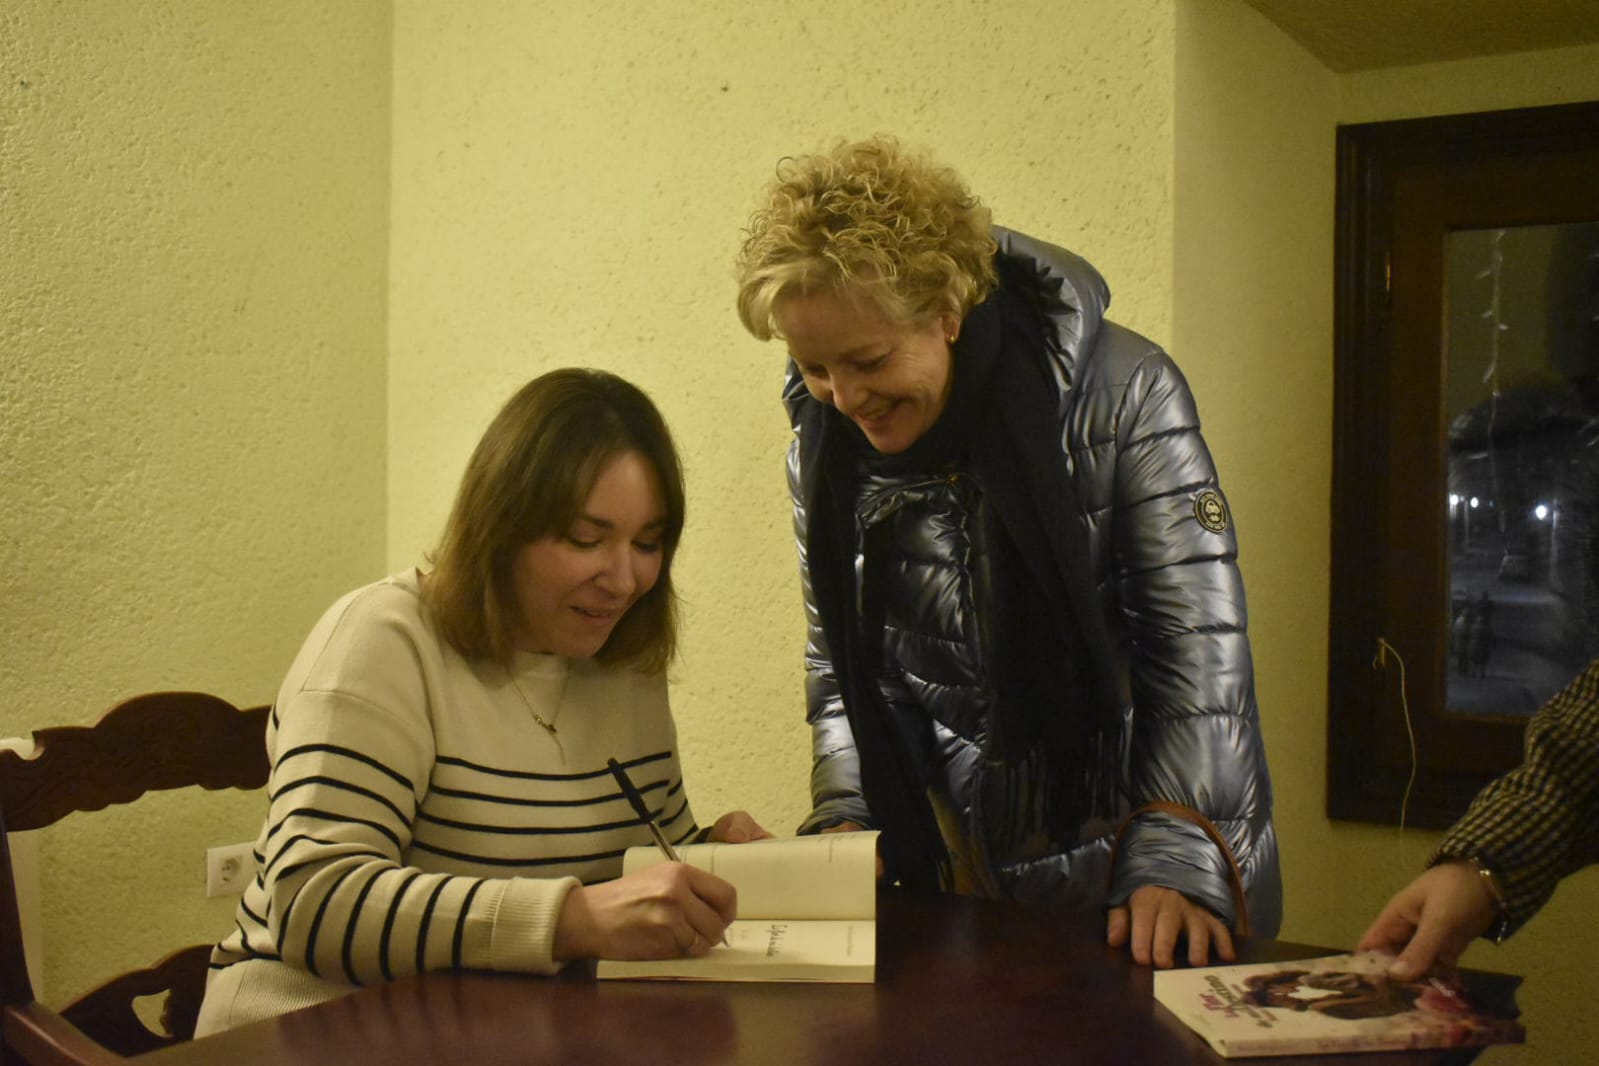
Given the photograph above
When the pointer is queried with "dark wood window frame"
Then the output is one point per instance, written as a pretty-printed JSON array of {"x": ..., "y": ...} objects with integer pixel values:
[{"x": 1402, "y": 187}]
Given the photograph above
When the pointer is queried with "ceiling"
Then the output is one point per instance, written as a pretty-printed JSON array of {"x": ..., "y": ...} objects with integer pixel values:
[{"x": 1351, "y": 35}]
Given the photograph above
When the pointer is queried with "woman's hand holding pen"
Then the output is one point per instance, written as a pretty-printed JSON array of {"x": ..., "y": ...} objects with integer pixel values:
[{"x": 663, "y": 912}]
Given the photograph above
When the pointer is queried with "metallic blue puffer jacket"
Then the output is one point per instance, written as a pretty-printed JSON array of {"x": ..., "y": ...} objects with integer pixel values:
[{"x": 1163, "y": 558}]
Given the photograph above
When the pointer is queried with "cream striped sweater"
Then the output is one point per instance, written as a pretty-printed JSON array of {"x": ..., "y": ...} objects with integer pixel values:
[{"x": 420, "y": 819}]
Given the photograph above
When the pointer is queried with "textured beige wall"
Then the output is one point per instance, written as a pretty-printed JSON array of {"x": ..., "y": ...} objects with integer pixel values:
[
  {"x": 192, "y": 303},
  {"x": 1253, "y": 328},
  {"x": 569, "y": 185}
]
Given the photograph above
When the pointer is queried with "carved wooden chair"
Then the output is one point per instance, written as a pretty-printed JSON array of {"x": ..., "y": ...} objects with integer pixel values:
[{"x": 149, "y": 743}]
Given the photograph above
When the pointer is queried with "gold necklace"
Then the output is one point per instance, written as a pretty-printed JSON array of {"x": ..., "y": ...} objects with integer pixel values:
[{"x": 549, "y": 727}]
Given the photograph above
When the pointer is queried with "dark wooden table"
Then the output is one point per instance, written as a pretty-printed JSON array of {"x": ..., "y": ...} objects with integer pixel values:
[{"x": 958, "y": 981}]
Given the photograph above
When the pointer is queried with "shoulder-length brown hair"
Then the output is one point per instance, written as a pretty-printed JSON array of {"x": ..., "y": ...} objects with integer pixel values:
[{"x": 528, "y": 478}]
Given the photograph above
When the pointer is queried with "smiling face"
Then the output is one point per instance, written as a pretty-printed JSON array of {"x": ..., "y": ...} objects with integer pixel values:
[
  {"x": 573, "y": 587},
  {"x": 890, "y": 380}
]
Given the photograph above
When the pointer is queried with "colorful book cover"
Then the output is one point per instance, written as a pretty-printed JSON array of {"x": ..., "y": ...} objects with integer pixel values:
[{"x": 1332, "y": 1004}]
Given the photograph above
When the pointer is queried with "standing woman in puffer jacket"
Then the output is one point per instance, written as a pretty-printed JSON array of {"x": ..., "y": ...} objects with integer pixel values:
[{"x": 1027, "y": 662}]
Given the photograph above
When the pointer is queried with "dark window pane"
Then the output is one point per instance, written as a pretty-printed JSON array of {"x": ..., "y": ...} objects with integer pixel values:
[{"x": 1523, "y": 489}]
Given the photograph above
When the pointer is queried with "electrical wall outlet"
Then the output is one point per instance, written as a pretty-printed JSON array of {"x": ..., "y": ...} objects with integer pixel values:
[{"x": 229, "y": 869}]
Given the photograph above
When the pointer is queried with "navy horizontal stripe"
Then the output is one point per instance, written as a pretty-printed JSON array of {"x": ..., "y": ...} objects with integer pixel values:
[
  {"x": 316, "y": 814},
  {"x": 460, "y": 925},
  {"x": 250, "y": 953},
  {"x": 343, "y": 786},
  {"x": 526, "y": 830},
  {"x": 346, "y": 851},
  {"x": 388, "y": 924},
  {"x": 295, "y": 867},
  {"x": 529, "y": 775},
  {"x": 559, "y": 860},
  {"x": 521, "y": 801},
  {"x": 348, "y": 753}
]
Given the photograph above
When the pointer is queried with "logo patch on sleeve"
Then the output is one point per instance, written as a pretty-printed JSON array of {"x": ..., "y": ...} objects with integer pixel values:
[{"x": 1211, "y": 510}]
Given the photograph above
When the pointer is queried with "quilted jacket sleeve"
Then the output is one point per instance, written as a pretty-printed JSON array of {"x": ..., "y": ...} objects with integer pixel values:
[
  {"x": 835, "y": 766},
  {"x": 1170, "y": 570}
]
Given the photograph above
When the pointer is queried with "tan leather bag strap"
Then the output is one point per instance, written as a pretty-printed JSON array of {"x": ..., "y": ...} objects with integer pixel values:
[{"x": 1188, "y": 814}]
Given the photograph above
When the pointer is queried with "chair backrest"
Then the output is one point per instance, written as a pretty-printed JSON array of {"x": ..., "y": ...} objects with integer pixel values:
[{"x": 150, "y": 743}]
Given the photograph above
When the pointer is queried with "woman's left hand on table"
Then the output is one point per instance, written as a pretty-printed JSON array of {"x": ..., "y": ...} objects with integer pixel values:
[
  {"x": 737, "y": 827},
  {"x": 1152, "y": 920}
]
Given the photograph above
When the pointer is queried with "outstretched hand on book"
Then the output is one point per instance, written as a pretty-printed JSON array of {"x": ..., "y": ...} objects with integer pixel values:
[
  {"x": 1432, "y": 920},
  {"x": 1154, "y": 917}
]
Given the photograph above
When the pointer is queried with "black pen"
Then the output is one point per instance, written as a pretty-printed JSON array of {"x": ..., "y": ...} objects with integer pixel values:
[
  {"x": 644, "y": 814},
  {"x": 643, "y": 811}
]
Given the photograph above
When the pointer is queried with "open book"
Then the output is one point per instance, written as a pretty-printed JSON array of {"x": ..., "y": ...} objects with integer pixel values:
[
  {"x": 807, "y": 911},
  {"x": 1332, "y": 1004}
]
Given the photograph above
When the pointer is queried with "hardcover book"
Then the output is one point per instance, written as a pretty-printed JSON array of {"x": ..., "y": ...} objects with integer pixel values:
[
  {"x": 807, "y": 911},
  {"x": 1333, "y": 1004}
]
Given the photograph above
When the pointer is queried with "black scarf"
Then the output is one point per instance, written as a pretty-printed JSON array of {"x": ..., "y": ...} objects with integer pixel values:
[{"x": 1051, "y": 659}]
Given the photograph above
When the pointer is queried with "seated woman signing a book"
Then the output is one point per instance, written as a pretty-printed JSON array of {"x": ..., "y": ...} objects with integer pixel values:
[{"x": 440, "y": 796}]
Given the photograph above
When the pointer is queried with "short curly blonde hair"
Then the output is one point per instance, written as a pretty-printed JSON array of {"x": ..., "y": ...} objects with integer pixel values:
[{"x": 874, "y": 217}]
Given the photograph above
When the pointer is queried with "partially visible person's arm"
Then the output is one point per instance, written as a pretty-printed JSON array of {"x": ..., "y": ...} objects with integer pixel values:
[
  {"x": 1434, "y": 918},
  {"x": 1196, "y": 730},
  {"x": 1529, "y": 829},
  {"x": 835, "y": 768}
]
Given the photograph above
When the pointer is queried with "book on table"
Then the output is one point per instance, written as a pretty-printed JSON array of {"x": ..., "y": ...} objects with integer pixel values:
[
  {"x": 807, "y": 911},
  {"x": 1333, "y": 1004}
]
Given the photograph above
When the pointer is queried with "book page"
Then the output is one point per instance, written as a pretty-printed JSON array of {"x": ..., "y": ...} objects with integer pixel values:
[
  {"x": 767, "y": 950},
  {"x": 820, "y": 877}
]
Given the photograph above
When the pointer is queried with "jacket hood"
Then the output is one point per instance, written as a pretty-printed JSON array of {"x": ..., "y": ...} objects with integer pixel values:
[{"x": 1076, "y": 295}]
